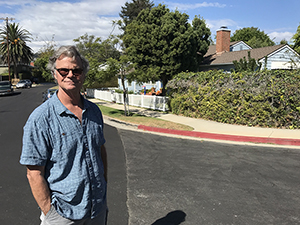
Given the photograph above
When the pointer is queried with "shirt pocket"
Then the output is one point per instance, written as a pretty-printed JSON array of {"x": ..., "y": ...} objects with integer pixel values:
[{"x": 65, "y": 145}]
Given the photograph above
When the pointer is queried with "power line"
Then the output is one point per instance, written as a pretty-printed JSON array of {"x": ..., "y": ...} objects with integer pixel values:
[{"x": 8, "y": 63}]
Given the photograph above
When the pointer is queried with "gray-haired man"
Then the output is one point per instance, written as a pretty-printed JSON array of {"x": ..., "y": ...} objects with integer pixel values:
[{"x": 63, "y": 149}]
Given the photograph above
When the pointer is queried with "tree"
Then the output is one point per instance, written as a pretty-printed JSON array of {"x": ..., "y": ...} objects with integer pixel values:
[
  {"x": 19, "y": 51},
  {"x": 252, "y": 36},
  {"x": 128, "y": 13},
  {"x": 296, "y": 40},
  {"x": 283, "y": 42},
  {"x": 244, "y": 65},
  {"x": 93, "y": 47},
  {"x": 131, "y": 10},
  {"x": 40, "y": 64},
  {"x": 161, "y": 44},
  {"x": 97, "y": 52},
  {"x": 122, "y": 67}
]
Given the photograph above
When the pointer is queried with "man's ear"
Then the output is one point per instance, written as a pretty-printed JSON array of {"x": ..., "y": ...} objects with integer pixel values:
[{"x": 54, "y": 74}]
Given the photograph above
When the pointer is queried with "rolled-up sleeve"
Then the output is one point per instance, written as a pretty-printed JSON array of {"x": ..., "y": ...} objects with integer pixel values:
[{"x": 35, "y": 144}]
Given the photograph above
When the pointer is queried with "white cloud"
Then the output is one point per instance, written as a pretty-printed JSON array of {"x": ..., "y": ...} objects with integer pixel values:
[
  {"x": 278, "y": 36},
  {"x": 214, "y": 25},
  {"x": 64, "y": 20},
  {"x": 182, "y": 6},
  {"x": 67, "y": 20},
  {"x": 9, "y": 3}
]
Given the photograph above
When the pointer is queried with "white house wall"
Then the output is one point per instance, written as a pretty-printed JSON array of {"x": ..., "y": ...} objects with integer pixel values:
[
  {"x": 281, "y": 59},
  {"x": 239, "y": 47},
  {"x": 136, "y": 87}
]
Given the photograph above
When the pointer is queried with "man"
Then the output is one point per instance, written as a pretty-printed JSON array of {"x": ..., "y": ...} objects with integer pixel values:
[{"x": 63, "y": 149}]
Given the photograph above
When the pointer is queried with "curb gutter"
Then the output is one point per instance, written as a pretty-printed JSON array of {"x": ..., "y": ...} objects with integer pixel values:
[{"x": 226, "y": 137}]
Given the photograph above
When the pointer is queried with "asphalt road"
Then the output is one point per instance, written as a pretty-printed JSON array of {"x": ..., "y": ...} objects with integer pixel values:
[
  {"x": 160, "y": 180},
  {"x": 17, "y": 204},
  {"x": 209, "y": 182}
]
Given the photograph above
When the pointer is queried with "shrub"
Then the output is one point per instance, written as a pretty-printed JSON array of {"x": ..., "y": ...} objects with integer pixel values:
[{"x": 264, "y": 98}]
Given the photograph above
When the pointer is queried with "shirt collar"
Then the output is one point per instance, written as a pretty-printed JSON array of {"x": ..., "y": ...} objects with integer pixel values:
[{"x": 60, "y": 108}]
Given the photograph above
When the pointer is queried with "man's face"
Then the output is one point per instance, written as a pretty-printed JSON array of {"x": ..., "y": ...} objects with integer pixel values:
[{"x": 68, "y": 73}]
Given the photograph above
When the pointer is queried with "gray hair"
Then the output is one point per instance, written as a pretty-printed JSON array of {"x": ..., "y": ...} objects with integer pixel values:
[{"x": 67, "y": 51}]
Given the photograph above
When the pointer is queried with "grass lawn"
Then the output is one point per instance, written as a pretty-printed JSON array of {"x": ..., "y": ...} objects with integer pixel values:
[{"x": 142, "y": 120}]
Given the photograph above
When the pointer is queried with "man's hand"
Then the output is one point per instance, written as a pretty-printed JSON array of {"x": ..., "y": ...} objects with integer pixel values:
[{"x": 104, "y": 160}]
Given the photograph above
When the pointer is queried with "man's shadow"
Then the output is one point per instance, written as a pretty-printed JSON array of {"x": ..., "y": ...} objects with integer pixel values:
[{"x": 172, "y": 218}]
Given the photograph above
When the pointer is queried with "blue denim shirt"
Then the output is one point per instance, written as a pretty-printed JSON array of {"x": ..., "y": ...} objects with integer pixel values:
[{"x": 70, "y": 151}]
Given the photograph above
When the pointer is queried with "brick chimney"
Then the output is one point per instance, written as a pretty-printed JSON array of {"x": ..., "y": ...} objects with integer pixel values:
[{"x": 223, "y": 40}]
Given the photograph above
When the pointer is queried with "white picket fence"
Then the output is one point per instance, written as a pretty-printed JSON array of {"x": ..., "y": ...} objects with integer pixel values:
[{"x": 145, "y": 101}]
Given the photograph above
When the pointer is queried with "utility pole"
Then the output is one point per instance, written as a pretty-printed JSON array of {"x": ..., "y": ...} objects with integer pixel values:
[{"x": 8, "y": 63}]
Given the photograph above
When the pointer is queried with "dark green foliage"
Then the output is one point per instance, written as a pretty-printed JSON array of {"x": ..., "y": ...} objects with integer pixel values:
[
  {"x": 19, "y": 51},
  {"x": 162, "y": 44},
  {"x": 253, "y": 37},
  {"x": 283, "y": 42},
  {"x": 97, "y": 52},
  {"x": 40, "y": 64},
  {"x": 246, "y": 65},
  {"x": 40, "y": 68},
  {"x": 132, "y": 9},
  {"x": 296, "y": 40},
  {"x": 264, "y": 98},
  {"x": 92, "y": 47}
]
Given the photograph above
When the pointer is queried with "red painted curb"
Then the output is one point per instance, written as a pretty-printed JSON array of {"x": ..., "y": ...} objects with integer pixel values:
[{"x": 227, "y": 137}]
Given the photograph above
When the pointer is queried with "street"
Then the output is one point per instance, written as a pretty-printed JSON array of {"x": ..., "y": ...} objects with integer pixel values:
[
  {"x": 211, "y": 183},
  {"x": 17, "y": 203},
  {"x": 159, "y": 180}
]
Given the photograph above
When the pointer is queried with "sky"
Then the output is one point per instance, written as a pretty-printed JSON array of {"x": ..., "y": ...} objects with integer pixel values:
[{"x": 63, "y": 21}]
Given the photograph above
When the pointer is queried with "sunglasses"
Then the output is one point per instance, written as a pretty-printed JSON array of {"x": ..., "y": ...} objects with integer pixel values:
[{"x": 64, "y": 72}]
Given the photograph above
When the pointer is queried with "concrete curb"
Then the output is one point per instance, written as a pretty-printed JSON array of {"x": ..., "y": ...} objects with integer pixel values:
[
  {"x": 224, "y": 137},
  {"x": 119, "y": 122}
]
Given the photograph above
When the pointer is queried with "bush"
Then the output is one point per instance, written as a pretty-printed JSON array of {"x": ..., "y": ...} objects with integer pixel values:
[
  {"x": 121, "y": 91},
  {"x": 264, "y": 98}
]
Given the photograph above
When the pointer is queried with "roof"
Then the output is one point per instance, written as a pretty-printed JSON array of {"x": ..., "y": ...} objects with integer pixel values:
[
  {"x": 211, "y": 58},
  {"x": 212, "y": 48},
  {"x": 233, "y": 43}
]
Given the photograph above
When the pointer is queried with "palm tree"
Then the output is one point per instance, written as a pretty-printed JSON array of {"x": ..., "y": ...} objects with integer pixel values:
[{"x": 19, "y": 51}]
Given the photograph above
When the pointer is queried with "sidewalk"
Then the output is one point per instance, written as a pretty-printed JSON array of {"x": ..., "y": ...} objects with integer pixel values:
[{"x": 215, "y": 130}]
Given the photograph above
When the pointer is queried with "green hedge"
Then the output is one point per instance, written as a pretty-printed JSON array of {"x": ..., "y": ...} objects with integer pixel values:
[{"x": 266, "y": 98}]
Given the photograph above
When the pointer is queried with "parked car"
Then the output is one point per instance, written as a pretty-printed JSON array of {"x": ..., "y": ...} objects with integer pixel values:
[
  {"x": 29, "y": 82},
  {"x": 6, "y": 88},
  {"x": 48, "y": 94},
  {"x": 35, "y": 80},
  {"x": 24, "y": 84}
]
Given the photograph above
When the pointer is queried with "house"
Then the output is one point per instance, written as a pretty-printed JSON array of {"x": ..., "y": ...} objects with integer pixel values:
[
  {"x": 23, "y": 69},
  {"x": 222, "y": 55},
  {"x": 139, "y": 87}
]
